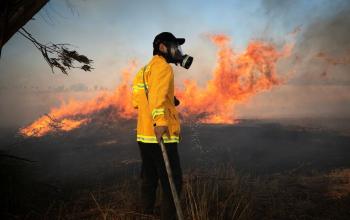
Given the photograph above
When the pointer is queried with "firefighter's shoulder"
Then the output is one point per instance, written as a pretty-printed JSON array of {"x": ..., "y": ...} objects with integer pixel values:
[{"x": 159, "y": 65}]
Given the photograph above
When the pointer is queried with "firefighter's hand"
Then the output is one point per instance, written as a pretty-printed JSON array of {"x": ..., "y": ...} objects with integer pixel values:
[
  {"x": 176, "y": 101},
  {"x": 160, "y": 131}
]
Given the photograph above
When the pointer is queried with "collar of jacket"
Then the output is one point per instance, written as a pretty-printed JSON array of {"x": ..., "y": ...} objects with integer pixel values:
[{"x": 160, "y": 57}]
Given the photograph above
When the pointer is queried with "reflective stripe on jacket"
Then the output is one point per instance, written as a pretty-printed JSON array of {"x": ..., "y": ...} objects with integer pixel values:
[{"x": 159, "y": 109}]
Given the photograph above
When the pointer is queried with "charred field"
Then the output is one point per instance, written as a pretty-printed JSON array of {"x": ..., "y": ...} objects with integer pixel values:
[{"x": 255, "y": 169}]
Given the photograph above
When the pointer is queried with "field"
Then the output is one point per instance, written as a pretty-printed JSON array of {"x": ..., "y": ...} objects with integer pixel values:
[{"x": 255, "y": 169}]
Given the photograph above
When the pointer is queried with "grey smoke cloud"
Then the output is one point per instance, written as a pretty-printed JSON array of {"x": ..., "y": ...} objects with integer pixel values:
[
  {"x": 325, "y": 29},
  {"x": 330, "y": 34}
]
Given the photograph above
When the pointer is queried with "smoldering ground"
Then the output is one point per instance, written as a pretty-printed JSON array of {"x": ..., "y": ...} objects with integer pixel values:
[{"x": 62, "y": 165}]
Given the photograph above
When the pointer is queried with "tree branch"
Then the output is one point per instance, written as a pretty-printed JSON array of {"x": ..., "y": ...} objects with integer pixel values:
[{"x": 59, "y": 55}]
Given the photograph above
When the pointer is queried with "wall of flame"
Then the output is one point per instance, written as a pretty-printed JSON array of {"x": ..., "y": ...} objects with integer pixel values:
[{"x": 236, "y": 78}]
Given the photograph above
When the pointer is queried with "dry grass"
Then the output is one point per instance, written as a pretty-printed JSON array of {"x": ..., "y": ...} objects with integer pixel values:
[
  {"x": 219, "y": 194},
  {"x": 340, "y": 186},
  {"x": 216, "y": 194}
]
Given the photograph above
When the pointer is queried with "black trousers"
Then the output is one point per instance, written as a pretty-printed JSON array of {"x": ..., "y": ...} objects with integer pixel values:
[{"x": 152, "y": 170}]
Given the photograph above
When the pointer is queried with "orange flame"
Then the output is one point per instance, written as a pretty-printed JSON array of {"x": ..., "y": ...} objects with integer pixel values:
[
  {"x": 76, "y": 113},
  {"x": 236, "y": 78}
]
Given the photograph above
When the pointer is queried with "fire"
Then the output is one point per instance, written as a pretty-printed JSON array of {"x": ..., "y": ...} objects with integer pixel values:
[
  {"x": 76, "y": 113},
  {"x": 45, "y": 125},
  {"x": 236, "y": 78}
]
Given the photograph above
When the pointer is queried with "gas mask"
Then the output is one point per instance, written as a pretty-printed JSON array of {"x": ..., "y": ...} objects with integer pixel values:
[{"x": 176, "y": 56}]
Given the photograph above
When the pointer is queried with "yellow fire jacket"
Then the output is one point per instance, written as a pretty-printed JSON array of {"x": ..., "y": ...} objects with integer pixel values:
[{"x": 158, "y": 109}]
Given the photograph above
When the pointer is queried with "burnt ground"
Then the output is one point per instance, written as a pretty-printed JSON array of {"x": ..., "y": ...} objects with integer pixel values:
[{"x": 100, "y": 155}]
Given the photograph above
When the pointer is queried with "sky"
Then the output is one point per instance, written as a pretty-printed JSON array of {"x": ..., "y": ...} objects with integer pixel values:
[{"x": 112, "y": 33}]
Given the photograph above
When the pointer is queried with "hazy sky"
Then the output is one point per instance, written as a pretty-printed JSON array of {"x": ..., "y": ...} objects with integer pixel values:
[{"x": 114, "y": 32}]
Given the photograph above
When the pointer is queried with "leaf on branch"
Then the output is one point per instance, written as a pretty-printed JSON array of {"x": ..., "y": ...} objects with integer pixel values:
[
  {"x": 58, "y": 55},
  {"x": 76, "y": 56},
  {"x": 86, "y": 68}
]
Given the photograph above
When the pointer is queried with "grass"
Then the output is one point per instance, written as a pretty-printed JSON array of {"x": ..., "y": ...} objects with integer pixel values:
[{"x": 217, "y": 193}]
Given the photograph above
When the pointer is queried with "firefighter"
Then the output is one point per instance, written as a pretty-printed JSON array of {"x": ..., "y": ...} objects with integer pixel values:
[{"x": 153, "y": 97}]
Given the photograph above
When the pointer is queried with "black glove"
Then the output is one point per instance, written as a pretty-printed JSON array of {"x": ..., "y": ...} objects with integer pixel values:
[{"x": 176, "y": 101}]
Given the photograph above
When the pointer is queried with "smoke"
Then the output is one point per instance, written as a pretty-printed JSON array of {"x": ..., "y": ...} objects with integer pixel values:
[
  {"x": 330, "y": 34},
  {"x": 279, "y": 8},
  {"x": 319, "y": 86},
  {"x": 323, "y": 47},
  {"x": 325, "y": 24}
]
